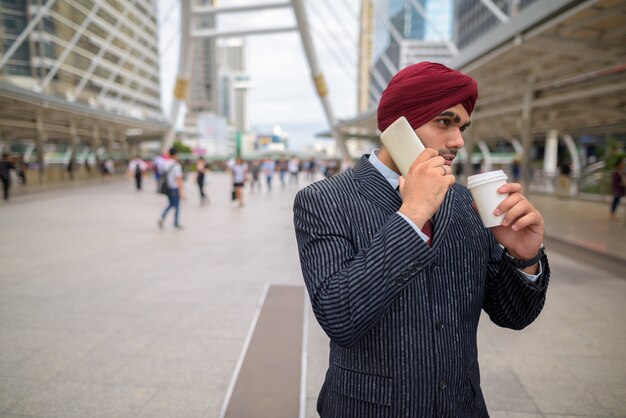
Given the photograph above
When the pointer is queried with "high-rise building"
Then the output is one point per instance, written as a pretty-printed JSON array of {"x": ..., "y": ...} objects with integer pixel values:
[
  {"x": 472, "y": 18},
  {"x": 235, "y": 82},
  {"x": 202, "y": 94},
  {"x": 407, "y": 32},
  {"x": 101, "y": 53},
  {"x": 217, "y": 108}
]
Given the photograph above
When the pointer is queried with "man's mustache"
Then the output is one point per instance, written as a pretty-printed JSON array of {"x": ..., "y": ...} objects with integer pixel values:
[{"x": 447, "y": 152}]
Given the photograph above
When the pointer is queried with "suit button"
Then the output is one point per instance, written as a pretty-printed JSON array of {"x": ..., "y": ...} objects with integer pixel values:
[
  {"x": 439, "y": 325},
  {"x": 400, "y": 281},
  {"x": 434, "y": 266},
  {"x": 442, "y": 384}
]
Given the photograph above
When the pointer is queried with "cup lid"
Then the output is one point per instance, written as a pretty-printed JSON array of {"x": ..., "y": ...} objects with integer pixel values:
[{"x": 482, "y": 178}]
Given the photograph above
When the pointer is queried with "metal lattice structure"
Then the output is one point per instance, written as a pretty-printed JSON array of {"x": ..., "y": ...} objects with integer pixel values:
[{"x": 79, "y": 70}]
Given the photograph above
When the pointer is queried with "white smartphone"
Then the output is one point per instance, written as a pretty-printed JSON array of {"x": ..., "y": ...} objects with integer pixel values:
[{"x": 402, "y": 143}]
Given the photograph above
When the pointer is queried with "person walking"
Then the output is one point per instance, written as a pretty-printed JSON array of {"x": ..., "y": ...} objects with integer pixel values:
[
  {"x": 282, "y": 171},
  {"x": 269, "y": 167},
  {"x": 294, "y": 170},
  {"x": 565, "y": 182},
  {"x": 136, "y": 167},
  {"x": 618, "y": 187},
  {"x": 398, "y": 269},
  {"x": 201, "y": 169},
  {"x": 175, "y": 187},
  {"x": 239, "y": 170},
  {"x": 6, "y": 165},
  {"x": 255, "y": 170}
]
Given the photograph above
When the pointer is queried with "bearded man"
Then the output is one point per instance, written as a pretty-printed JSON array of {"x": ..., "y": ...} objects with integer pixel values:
[{"x": 398, "y": 278}]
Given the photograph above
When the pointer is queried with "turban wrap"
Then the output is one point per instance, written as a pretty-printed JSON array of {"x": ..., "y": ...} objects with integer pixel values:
[{"x": 422, "y": 91}]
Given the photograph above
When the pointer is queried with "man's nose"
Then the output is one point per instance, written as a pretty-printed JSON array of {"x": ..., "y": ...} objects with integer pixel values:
[{"x": 456, "y": 139}]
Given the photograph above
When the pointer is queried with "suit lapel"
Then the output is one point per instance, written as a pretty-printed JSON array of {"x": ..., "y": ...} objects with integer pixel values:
[
  {"x": 443, "y": 218},
  {"x": 374, "y": 186}
]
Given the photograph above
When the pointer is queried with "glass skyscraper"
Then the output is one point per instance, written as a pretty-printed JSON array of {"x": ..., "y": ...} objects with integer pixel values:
[{"x": 407, "y": 32}]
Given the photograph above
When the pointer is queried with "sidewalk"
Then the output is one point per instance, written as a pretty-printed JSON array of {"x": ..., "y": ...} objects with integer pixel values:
[
  {"x": 583, "y": 223},
  {"x": 103, "y": 314}
]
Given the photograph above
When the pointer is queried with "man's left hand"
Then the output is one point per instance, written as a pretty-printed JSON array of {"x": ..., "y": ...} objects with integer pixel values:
[{"x": 522, "y": 229}]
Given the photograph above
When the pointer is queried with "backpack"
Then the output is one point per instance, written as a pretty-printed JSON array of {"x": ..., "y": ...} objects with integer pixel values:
[
  {"x": 138, "y": 169},
  {"x": 163, "y": 187}
]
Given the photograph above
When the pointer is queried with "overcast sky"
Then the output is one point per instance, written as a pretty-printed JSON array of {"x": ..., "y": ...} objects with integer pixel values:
[{"x": 282, "y": 93}]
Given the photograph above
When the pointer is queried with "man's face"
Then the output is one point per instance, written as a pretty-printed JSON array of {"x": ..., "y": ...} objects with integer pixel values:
[{"x": 443, "y": 132}]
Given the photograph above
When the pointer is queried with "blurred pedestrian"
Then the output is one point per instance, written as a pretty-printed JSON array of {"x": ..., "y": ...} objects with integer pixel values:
[
  {"x": 175, "y": 192},
  {"x": 22, "y": 167},
  {"x": 516, "y": 170},
  {"x": 255, "y": 170},
  {"x": 108, "y": 167},
  {"x": 294, "y": 169},
  {"x": 136, "y": 167},
  {"x": 312, "y": 169},
  {"x": 282, "y": 171},
  {"x": 269, "y": 167},
  {"x": 201, "y": 169},
  {"x": 618, "y": 187},
  {"x": 565, "y": 183},
  {"x": 239, "y": 172},
  {"x": 70, "y": 168},
  {"x": 6, "y": 165}
]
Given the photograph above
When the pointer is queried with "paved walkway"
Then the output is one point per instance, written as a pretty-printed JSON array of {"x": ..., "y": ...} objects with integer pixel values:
[{"x": 103, "y": 314}]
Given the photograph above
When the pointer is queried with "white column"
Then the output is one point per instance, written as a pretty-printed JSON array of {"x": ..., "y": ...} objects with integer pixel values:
[
  {"x": 573, "y": 152},
  {"x": 185, "y": 65},
  {"x": 487, "y": 164},
  {"x": 550, "y": 154}
]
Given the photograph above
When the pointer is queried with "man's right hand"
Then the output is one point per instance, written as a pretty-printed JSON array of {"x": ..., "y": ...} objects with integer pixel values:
[{"x": 425, "y": 186}]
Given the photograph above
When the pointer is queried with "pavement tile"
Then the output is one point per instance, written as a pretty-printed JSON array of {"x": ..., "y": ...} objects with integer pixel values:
[
  {"x": 552, "y": 387},
  {"x": 70, "y": 400},
  {"x": 509, "y": 414},
  {"x": 501, "y": 389},
  {"x": 62, "y": 354},
  {"x": 177, "y": 403},
  {"x": 204, "y": 374},
  {"x": 13, "y": 390},
  {"x": 103, "y": 362}
]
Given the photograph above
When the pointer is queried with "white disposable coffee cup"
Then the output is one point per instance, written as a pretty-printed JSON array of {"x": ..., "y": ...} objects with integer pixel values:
[{"x": 484, "y": 188}]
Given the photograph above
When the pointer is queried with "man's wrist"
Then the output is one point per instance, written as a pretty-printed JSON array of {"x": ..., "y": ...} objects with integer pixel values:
[
  {"x": 525, "y": 264},
  {"x": 415, "y": 216}
]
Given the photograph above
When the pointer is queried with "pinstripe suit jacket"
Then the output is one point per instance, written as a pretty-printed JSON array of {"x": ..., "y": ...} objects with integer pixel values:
[{"x": 402, "y": 316}]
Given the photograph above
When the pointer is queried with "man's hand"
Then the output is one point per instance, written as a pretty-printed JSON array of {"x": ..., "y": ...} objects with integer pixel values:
[
  {"x": 522, "y": 229},
  {"x": 425, "y": 186}
]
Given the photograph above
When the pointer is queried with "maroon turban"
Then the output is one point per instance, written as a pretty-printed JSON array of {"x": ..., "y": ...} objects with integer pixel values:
[{"x": 421, "y": 91}]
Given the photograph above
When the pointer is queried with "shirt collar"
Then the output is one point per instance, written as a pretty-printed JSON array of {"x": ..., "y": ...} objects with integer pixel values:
[{"x": 390, "y": 175}]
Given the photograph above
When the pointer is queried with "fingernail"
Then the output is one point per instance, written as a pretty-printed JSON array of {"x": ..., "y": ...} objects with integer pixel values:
[
  {"x": 501, "y": 189},
  {"x": 497, "y": 212},
  {"x": 514, "y": 228}
]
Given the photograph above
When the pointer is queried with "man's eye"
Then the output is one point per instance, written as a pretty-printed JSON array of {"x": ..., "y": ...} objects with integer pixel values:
[{"x": 444, "y": 122}]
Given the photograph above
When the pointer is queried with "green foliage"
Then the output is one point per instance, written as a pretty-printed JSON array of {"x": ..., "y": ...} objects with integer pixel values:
[
  {"x": 611, "y": 162},
  {"x": 182, "y": 148}
]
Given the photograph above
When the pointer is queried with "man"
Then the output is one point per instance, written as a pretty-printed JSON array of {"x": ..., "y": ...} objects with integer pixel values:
[
  {"x": 175, "y": 192},
  {"x": 136, "y": 167},
  {"x": 201, "y": 168},
  {"x": 398, "y": 281},
  {"x": 6, "y": 165},
  {"x": 239, "y": 171},
  {"x": 269, "y": 167}
]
